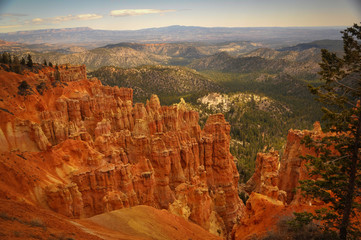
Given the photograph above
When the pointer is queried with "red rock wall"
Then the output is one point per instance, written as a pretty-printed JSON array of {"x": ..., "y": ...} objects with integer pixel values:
[
  {"x": 266, "y": 178},
  {"x": 293, "y": 168},
  {"x": 279, "y": 179},
  {"x": 104, "y": 153},
  {"x": 273, "y": 187}
]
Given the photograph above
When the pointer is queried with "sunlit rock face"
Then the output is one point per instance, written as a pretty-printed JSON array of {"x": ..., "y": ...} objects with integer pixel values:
[
  {"x": 273, "y": 192},
  {"x": 82, "y": 149}
]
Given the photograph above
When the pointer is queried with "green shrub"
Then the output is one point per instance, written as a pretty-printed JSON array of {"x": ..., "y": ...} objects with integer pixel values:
[
  {"x": 41, "y": 87},
  {"x": 299, "y": 227},
  {"x": 37, "y": 223},
  {"x": 24, "y": 89}
]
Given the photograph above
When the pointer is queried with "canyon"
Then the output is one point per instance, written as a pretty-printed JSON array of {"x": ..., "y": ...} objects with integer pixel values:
[
  {"x": 83, "y": 152},
  {"x": 82, "y": 149}
]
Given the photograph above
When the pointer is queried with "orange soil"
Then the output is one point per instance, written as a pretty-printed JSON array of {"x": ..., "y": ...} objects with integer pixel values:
[{"x": 24, "y": 221}]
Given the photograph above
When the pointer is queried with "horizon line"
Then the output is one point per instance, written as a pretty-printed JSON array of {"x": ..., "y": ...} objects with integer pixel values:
[{"x": 40, "y": 29}]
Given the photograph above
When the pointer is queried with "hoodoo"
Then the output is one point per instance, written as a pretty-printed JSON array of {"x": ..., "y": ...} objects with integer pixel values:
[
  {"x": 273, "y": 193},
  {"x": 81, "y": 149}
]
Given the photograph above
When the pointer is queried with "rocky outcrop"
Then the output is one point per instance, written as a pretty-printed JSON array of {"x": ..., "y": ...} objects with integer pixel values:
[
  {"x": 266, "y": 177},
  {"x": 261, "y": 215},
  {"x": 101, "y": 153},
  {"x": 273, "y": 187},
  {"x": 63, "y": 73},
  {"x": 279, "y": 179},
  {"x": 293, "y": 167}
]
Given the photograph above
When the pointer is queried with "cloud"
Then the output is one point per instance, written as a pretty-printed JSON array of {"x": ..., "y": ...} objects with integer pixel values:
[
  {"x": 137, "y": 12},
  {"x": 13, "y": 15},
  {"x": 66, "y": 18},
  {"x": 88, "y": 16},
  {"x": 10, "y": 26},
  {"x": 37, "y": 20}
]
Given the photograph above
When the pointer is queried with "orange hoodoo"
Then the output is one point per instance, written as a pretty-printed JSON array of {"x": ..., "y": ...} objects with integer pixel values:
[{"x": 82, "y": 149}]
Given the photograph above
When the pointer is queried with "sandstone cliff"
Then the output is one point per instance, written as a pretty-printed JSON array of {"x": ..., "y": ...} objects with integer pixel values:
[
  {"x": 273, "y": 187},
  {"x": 82, "y": 149},
  {"x": 279, "y": 178}
]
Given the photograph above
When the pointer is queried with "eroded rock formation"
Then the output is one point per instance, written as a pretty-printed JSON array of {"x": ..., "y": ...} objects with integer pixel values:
[
  {"x": 293, "y": 167},
  {"x": 89, "y": 150},
  {"x": 279, "y": 179},
  {"x": 273, "y": 187},
  {"x": 265, "y": 180}
]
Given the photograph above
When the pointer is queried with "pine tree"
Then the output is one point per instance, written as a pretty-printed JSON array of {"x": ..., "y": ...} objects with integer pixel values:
[
  {"x": 22, "y": 62},
  {"x": 45, "y": 63},
  {"x": 50, "y": 64},
  {"x": 16, "y": 65},
  {"x": 337, "y": 166},
  {"x": 6, "y": 58},
  {"x": 57, "y": 75},
  {"x": 30, "y": 61}
]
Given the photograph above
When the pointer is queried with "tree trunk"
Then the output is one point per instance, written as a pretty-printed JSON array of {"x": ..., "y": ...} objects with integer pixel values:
[{"x": 351, "y": 184}]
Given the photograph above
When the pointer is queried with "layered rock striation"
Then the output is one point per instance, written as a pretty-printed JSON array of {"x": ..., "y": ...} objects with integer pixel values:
[
  {"x": 266, "y": 178},
  {"x": 90, "y": 150},
  {"x": 272, "y": 190},
  {"x": 293, "y": 166},
  {"x": 279, "y": 178}
]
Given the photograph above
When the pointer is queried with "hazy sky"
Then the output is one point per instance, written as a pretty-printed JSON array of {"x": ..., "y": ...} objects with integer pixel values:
[{"x": 16, "y": 15}]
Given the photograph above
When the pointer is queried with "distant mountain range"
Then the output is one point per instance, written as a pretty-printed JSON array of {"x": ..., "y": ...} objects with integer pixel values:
[
  {"x": 240, "y": 57},
  {"x": 128, "y": 54},
  {"x": 271, "y": 35},
  {"x": 298, "y": 60},
  {"x": 295, "y": 63},
  {"x": 331, "y": 45}
]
